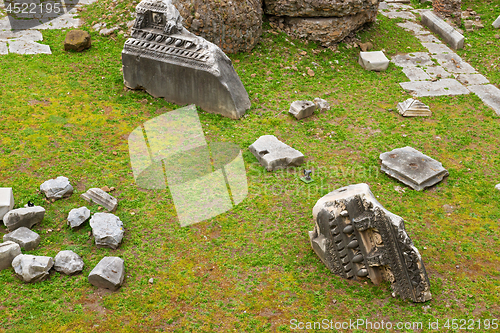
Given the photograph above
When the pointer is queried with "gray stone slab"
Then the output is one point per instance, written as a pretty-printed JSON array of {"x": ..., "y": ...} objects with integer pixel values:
[
  {"x": 6, "y": 200},
  {"x": 357, "y": 238},
  {"x": 437, "y": 71},
  {"x": 32, "y": 268},
  {"x": 23, "y": 217},
  {"x": 98, "y": 196},
  {"x": 435, "y": 48},
  {"x": 3, "y": 48},
  {"x": 443, "y": 29},
  {"x": 78, "y": 216},
  {"x": 383, "y": 5},
  {"x": 412, "y": 168},
  {"x": 68, "y": 262},
  {"x": 472, "y": 79},
  {"x": 27, "y": 239},
  {"x": 444, "y": 87},
  {"x": 412, "y": 59},
  {"x": 373, "y": 61},
  {"x": 454, "y": 64},
  {"x": 496, "y": 23},
  {"x": 416, "y": 74},
  {"x": 8, "y": 251},
  {"x": 170, "y": 62},
  {"x": 302, "y": 109},
  {"x": 489, "y": 94},
  {"x": 414, "y": 27},
  {"x": 107, "y": 230},
  {"x": 109, "y": 273},
  {"x": 27, "y": 47},
  {"x": 273, "y": 154},
  {"x": 428, "y": 39},
  {"x": 27, "y": 35},
  {"x": 57, "y": 188}
]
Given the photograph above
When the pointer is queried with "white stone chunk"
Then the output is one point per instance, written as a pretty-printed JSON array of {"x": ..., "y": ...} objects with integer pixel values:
[
  {"x": 28, "y": 240},
  {"x": 489, "y": 94},
  {"x": 321, "y": 104},
  {"x": 109, "y": 273},
  {"x": 413, "y": 108},
  {"x": 373, "y": 61},
  {"x": 98, "y": 196},
  {"x": 23, "y": 217},
  {"x": 6, "y": 200},
  {"x": 496, "y": 23},
  {"x": 8, "y": 251},
  {"x": 107, "y": 230},
  {"x": 302, "y": 109},
  {"x": 57, "y": 188},
  {"x": 273, "y": 154},
  {"x": 443, "y": 29},
  {"x": 78, "y": 216},
  {"x": 445, "y": 87},
  {"x": 497, "y": 187},
  {"x": 68, "y": 262},
  {"x": 32, "y": 268}
]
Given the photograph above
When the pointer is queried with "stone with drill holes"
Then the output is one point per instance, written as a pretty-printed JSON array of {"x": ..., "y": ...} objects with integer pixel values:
[
  {"x": 109, "y": 273},
  {"x": 27, "y": 239},
  {"x": 78, "y": 216},
  {"x": 8, "y": 251},
  {"x": 57, "y": 188},
  {"x": 32, "y": 268},
  {"x": 6, "y": 201},
  {"x": 412, "y": 168},
  {"x": 373, "y": 61},
  {"x": 357, "y": 238},
  {"x": 107, "y": 230},
  {"x": 273, "y": 154},
  {"x": 302, "y": 109},
  {"x": 23, "y": 217},
  {"x": 68, "y": 262},
  {"x": 98, "y": 196}
]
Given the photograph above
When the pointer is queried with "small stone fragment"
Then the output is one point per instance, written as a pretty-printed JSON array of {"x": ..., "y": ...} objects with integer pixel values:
[
  {"x": 27, "y": 239},
  {"x": 496, "y": 23},
  {"x": 99, "y": 197},
  {"x": 273, "y": 154},
  {"x": 373, "y": 61},
  {"x": 302, "y": 109},
  {"x": 365, "y": 47},
  {"x": 78, "y": 216},
  {"x": 151, "y": 281},
  {"x": 497, "y": 186},
  {"x": 68, "y": 262},
  {"x": 321, "y": 104},
  {"x": 77, "y": 40},
  {"x": 32, "y": 268},
  {"x": 23, "y": 217},
  {"x": 8, "y": 251},
  {"x": 6, "y": 201},
  {"x": 413, "y": 108},
  {"x": 107, "y": 230},
  {"x": 412, "y": 168},
  {"x": 370, "y": 242},
  {"x": 109, "y": 273},
  {"x": 57, "y": 188}
]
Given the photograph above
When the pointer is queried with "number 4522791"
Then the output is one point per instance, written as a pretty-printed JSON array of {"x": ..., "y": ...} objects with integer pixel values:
[{"x": 32, "y": 8}]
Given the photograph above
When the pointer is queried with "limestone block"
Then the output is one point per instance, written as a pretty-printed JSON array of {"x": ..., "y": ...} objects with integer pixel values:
[
  {"x": 443, "y": 29},
  {"x": 373, "y": 61},
  {"x": 68, "y": 262},
  {"x": 107, "y": 230},
  {"x": 23, "y": 217},
  {"x": 8, "y": 251},
  {"x": 57, "y": 188},
  {"x": 302, "y": 109},
  {"x": 32, "y": 268},
  {"x": 6, "y": 201},
  {"x": 273, "y": 154},
  {"x": 109, "y": 273},
  {"x": 27, "y": 239}
]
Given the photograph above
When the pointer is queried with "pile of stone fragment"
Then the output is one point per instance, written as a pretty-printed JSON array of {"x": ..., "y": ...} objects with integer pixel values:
[{"x": 107, "y": 230}]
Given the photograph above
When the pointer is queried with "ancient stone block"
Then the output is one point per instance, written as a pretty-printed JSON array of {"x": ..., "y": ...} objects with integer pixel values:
[
  {"x": 57, "y": 188},
  {"x": 489, "y": 94},
  {"x": 78, "y": 216},
  {"x": 77, "y": 40},
  {"x": 68, "y": 262},
  {"x": 108, "y": 273},
  {"x": 357, "y": 238},
  {"x": 321, "y": 104},
  {"x": 32, "y": 268},
  {"x": 413, "y": 108},
  {"x": 98, "y": 196},
  {"x": 443, "y": 29},
  {"x": 412, "y": 168},
  {"x": 373, "y": 61},
  {"x": 273, "y": 154},
  {"x": 27, "y": 239},
  {"x": 302, "y": 109},
  {"x": 6, "y": 201},
  {"x": 23, "y": 217},
  {"x": 318, "y": 8},
  {"x": 107, "y": 230},
  {"x": 8, "y": 251},
  {"x": 168, "y": 61}
]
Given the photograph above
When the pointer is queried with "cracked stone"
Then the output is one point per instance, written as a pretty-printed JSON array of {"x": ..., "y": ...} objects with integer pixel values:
[{"x": 273, "y": 154}]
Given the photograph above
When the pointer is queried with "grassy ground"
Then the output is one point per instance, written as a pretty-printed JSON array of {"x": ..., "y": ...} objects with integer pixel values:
[{"x": 251, "y": 269}]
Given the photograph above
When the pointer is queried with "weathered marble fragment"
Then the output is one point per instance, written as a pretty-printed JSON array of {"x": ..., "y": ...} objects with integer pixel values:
[
  {"x": 57, "y": 188},
  {"x": 413, "y": 108},
  {"x": 98, "y": 196},
  {"x": 273, "y": 154},
  {"x": 8, "y": 251},
  {"x": 23, "y": 217},
  {"x": 373, "y": 61},
  {"x": 28, "y": 240},
  {"x": 107, "y": 230},
  {"x": 32, "y": 268},
  {"x": 108, "y": 273},
  {"x": 68, "y": 262}
]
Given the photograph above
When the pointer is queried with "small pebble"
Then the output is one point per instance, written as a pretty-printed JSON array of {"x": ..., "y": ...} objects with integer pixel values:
[{"x": 151, "y": 281}]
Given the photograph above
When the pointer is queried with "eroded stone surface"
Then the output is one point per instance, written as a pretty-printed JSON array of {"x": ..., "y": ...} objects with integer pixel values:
[
  {"x": 273, "y": 154},
  {"x": 446, "y": 87},
  {"x": 472, "y": 79},
  {"x": 416, "y": 74},
  {"x": 68, "y": 262},
  {"x": 357, "y": 238},
  {"x": 413, "y": 108},
  {"x": 489, "y": 94},
  {"x": 57, "y": 188},
  {"x": 23, "y": 217},
  {"x": 321, "y": 104},
  {"x": 8, "y": 251},
  {"x": 78, "y": 216},
  {"x": 32, "y": 268},
  {"x": 318, "y": 8},
  {"x": 77, "y": 40},
  {"x": 107, "y": 230},
  {"x": 447, "y": 32},
  {"x": 109, "y": 273},
  {"x": 98, "y": 196},
  {"x": 6, "y": 200},
  {"x": 412, "y": 168},
  {"x": 412, "y": 60},
  {"x": 27, "y": 239},
  {"x": 302, "y": 109},
  {"x": 373, "y": 61},
  {"x": 28, "y": 47}
]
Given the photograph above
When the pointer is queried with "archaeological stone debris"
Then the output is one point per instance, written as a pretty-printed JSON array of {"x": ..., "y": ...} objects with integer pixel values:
[
  {"x": 57, "y": 188},
  {"x": 108, "y": 273},
  {"x": 32, "y": 268},
  {"x": 412, "y": 168},
  {"x": 6, "y": 201},
  {"x": 8, "y": 251},
  {"x": 68, "y": 262},
  {"x": 23, "y": 217},
  {"x": 496, "y": 23},
  {"x": 78, "y": 216},
  {"x": 107, "y": 230},
  {"x": 77, "y": 40},
  {"x": 322, "y": 105},
  {"x": 454, "y": 38},
  {"x": 168, "y": 61},
  {"x": 273, "y": 154},
  {"x": 357, "y": 238},
  {"x": 302, "y": 109},
  {"x": 28, "y": 240},
  {"x": 413, "y": 108},
  {"x": 373, "y": 61},
  {"x": 99, "y": 197}
]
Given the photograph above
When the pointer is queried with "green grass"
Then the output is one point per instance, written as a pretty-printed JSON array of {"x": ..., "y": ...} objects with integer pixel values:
[{"x": 251, "y": 269}]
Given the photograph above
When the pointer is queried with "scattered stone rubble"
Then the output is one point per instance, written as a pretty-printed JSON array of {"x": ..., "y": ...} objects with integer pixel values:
[
  {"x": 57, "y": 188},
  {"x": 68, "y": 262},
  {"x": 32, "y": 268},
  {"x": 302, "y": 109},
  {"x": 107, "y": 230},
  {"x": 28, "y": 240},
  {"x": 98, "y": 196},
  {"x": 357, "y": 238},
  {"x": 273, "y": 154},
  {"x": 78, "y": 216},
  {"x": 8, "y": 251},
  {"x": 23, "y": 217},
  {"x": 109, "y": 273},
  {"x": 321, "y": 104},
  {"x": 412, "y": 168},
  {"x": 413, "y": 108},
  {"x": 77, "y": 40}
]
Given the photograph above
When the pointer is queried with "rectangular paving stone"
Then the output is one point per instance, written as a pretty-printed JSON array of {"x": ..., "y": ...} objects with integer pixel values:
[
  {"x": 472, "y": 79},
  {"x": 401, "y": 14},
  {"x": 434, "y": 71},
  {"x": 454, "y": 64},
  {"x": 412, "y": 59},
  {"x": 28, "y": 35},
  {"x": 438, "y": 48},
  {"x": 28, "y": 47},
  {"x": 3, "y": 48},
  {"x": 445, "y": 87},
  {"x": 443, "y": 29},
  {"x": 489, "y": 94},
  {"x": 416, "y": 74},
  {"x": 428, "y": 39},
  {"x": 413, "y": 27}
]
